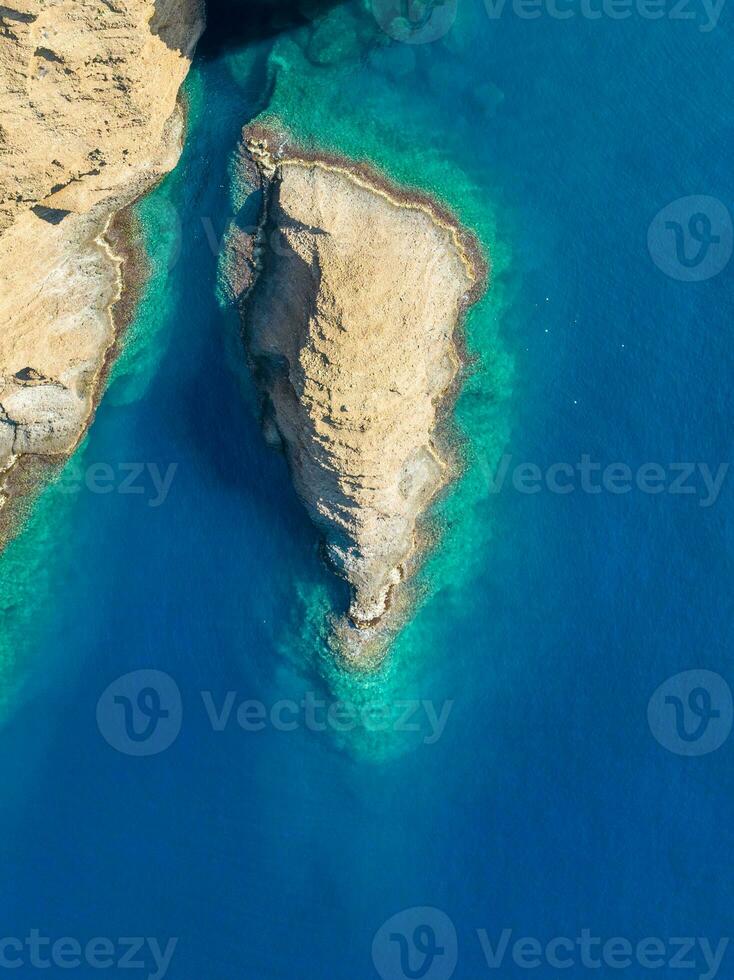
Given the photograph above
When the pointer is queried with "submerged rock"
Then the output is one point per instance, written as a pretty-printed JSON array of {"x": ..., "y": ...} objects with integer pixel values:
[{"x": 350, "y": 308}]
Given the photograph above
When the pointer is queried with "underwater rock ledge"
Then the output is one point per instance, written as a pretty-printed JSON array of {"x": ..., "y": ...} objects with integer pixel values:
[{"x": 351, "y": 293}]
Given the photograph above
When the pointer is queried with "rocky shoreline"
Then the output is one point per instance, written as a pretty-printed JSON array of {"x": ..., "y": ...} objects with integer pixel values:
[
  {"x": 66, "y": 247},
  {"x": 27, "y": 473},
  {"x": 352, "y": 294}
]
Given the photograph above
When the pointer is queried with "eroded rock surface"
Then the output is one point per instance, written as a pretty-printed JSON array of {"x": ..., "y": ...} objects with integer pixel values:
[
  {"x": 88, "y": 121},
  {"x": 358, "y": 290}
]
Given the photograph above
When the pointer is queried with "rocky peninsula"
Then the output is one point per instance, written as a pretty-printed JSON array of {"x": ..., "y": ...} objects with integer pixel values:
[
  {"x": 89, "y": 120},
  {"x": 351, "y": 293}
]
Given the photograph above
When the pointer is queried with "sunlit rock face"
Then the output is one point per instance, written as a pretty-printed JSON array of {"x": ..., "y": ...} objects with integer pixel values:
[
  {"x": 89, "y": 120},
  {"x": 358, "y": 290}
]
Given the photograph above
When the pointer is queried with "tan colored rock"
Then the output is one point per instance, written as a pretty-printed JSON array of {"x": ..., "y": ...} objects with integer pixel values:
[
  {"x": 351, "y": 327},
  {"x": 86, "y": 91},
  {"x": 88, "y": 121}
]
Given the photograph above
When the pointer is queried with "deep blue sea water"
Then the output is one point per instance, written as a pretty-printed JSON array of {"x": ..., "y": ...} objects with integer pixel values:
[{"x": 545, "y": 805}]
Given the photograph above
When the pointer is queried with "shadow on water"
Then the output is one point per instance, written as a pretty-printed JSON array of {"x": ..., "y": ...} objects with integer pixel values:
[
  {"x": 249, "y": 534},
  {"x": 236, "y": 516},
  {"x": 233, "y": 23}
]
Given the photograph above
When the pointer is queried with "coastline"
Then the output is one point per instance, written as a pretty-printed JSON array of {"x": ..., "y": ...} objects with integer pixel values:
[
  {"x": 82, "y": 155},
  {"x": 118, "y": 240},
  {"x": 366, "y": 174},
  {"x": 362, "y": 645},
  {"x": 28, "y": 475}
]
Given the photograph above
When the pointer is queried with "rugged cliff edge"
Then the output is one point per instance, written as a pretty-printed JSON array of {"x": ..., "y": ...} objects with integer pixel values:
[
  {"x": 351, "y": 295},
  {"x": 88, "y": 121}
]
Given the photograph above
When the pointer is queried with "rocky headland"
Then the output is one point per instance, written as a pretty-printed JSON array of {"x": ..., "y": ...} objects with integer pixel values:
[
  {"x": 89, "y": 120},
  {"x": 351, "y": 293}
]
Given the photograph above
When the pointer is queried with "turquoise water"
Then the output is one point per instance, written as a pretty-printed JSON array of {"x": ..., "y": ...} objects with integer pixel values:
[{"x": 541, "y": 803}]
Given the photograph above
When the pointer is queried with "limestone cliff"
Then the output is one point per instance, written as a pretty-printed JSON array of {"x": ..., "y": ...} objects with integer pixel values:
[
  {"x": 88, "y": 121},
  {"x": 350, "y": 308}
]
